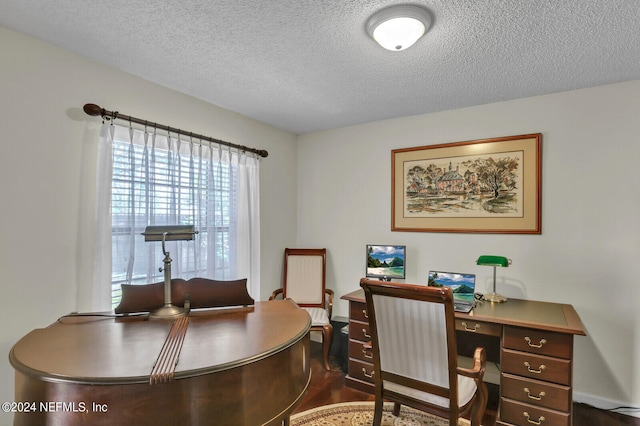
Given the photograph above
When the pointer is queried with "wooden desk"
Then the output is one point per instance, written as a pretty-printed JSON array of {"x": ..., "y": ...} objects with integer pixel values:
[
  {"x": 532, "y": 342},
  {"x": 240, "y": 366}
]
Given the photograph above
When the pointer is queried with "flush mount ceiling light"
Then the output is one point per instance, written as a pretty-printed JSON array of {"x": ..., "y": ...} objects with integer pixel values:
[{"x": 399, "y": 27}]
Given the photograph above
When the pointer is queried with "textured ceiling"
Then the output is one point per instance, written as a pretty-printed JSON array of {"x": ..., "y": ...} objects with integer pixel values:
[{"x": 308, "y": 65}]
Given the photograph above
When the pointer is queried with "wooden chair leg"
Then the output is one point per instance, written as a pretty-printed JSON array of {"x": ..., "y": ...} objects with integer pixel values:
[
  {"x": 327, "y": 338},
  {"x": 396, "y": 409},
  {"x": 479, "y": 405},
  {"x": 377, "y": 412}
]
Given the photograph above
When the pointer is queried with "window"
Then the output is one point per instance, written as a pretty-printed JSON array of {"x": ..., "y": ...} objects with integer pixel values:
[{"x": 158, "y": 180}]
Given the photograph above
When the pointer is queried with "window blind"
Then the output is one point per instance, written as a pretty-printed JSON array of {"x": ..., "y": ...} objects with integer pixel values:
[{"x": 155, "y": 186}]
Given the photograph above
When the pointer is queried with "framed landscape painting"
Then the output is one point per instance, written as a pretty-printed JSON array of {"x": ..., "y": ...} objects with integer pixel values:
[{"x": 482, "y": 186}]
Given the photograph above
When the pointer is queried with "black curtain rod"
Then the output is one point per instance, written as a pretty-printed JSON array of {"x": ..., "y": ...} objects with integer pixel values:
[{"x": 95, "y": 110}]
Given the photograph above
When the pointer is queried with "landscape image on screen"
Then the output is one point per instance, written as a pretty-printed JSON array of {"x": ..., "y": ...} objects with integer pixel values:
[
  {"x": 385, "y": 261},
  {"x": 462, "y": 285}
]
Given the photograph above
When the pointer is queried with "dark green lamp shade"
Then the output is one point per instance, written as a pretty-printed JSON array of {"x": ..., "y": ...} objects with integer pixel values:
[{"x": 493, "y": 261}]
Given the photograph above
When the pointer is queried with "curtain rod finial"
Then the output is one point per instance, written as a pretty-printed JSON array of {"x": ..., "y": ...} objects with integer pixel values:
[{"x": 93, "y": 109}]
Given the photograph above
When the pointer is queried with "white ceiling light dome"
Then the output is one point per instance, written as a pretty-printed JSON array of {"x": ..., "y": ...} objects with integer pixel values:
[{"x": 399, "y": 27}]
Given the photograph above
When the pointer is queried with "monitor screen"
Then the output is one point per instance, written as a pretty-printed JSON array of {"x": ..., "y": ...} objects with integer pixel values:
[
  {"x": 385, "y": 261},
  {"x": 462, "y": 285}
]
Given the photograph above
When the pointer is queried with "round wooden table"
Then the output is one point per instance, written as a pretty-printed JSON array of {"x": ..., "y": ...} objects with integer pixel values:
[{"x": 233, "y": 366}]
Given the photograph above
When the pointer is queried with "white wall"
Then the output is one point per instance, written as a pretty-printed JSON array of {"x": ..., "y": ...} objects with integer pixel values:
[
  {"x": 587, "y": 254},
  {"x": 42, "y": 127}
]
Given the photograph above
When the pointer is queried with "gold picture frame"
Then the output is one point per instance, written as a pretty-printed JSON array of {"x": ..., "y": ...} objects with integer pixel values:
[{"x": 480, "y": 186}]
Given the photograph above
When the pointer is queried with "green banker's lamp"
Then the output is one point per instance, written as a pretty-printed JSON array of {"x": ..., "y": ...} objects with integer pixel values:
[{"x": 494, "y": 261}]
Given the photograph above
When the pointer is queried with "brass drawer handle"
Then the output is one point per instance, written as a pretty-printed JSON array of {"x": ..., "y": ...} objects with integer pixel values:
[
  {"x": 538, "y": 371},
  {"x": 472, "y": 330},
  {"x": 367, "y": 354},
  {"x": 364, "y": 312},
  {"x": 537, "y": 398},
  {"x": 538, "y": 422},
  {"x": 364, "y": 332},
  {"x": 364, "y": 371},
  {"x": 538, "y": 346}
]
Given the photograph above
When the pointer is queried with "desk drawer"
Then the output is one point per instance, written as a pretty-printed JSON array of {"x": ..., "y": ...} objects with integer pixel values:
[
  {"x": 479, "y": 327},
  {"x": 358, "y": 311},
  {"x": 358, "y": 351},
  {"x": 361, "y": 370},
  {"x": 521, "y": 414},
  {"x": 536, "y": 392},
  {"x": 538, "y": 341},
  {"x": 538, "y": 367},
  {"x": 359, "y": 331}
]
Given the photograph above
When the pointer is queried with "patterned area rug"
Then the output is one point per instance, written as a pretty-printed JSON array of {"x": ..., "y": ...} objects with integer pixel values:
[{"x": 361, "y": 414}]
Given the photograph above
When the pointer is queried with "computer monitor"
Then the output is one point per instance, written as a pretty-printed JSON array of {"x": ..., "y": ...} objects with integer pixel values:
[{"x": 385, "y": 262}]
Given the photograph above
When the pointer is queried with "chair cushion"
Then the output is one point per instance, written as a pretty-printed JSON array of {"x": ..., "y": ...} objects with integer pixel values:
[
  {"x": 319, "y": 316},
  {"x": 466, "y": 390}
]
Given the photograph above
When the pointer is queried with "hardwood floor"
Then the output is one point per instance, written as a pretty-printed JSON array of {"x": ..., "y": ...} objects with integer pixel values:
[{"x": 327, "y": 387}]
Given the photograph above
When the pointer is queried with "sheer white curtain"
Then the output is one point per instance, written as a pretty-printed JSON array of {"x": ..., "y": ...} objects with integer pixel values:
[{"x": 147, "y": 178}]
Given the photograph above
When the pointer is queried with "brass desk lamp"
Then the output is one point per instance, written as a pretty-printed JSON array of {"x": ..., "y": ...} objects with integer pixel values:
[
  {"x": 494, "y": 261},
  {"x": 168, "y": 233}
]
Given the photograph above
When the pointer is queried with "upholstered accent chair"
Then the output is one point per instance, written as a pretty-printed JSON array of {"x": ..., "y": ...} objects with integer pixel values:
[
  {"x": 413, "y": 344},
  {"x": 305, "y": 282}
]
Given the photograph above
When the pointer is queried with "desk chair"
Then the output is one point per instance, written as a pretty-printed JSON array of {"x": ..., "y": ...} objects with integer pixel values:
[
  {"x": 305, "y": 272},
  {"x": 413, "y": 344}
]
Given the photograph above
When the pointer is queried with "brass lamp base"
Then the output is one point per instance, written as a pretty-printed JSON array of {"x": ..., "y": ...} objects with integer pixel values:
[
  {"x": 494, "y": 297},
  {"x": 168, "y": 312}
]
